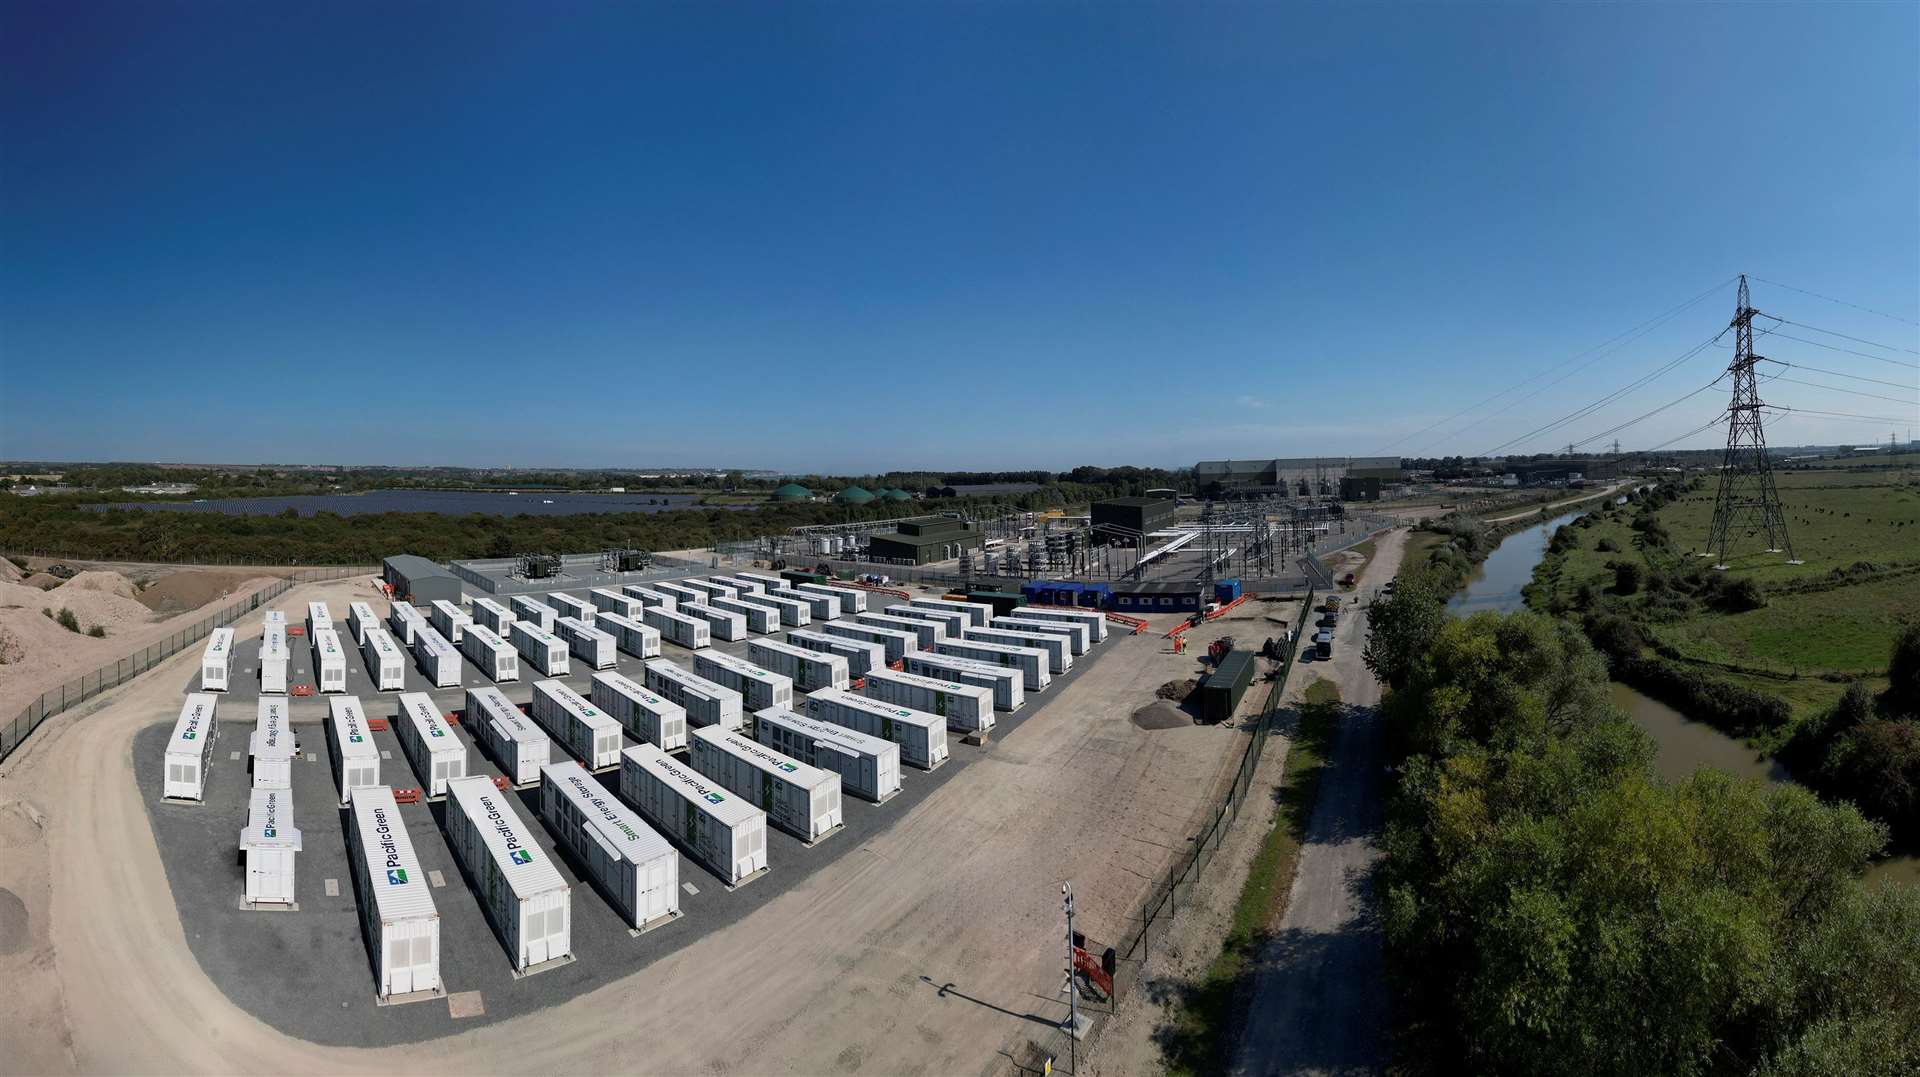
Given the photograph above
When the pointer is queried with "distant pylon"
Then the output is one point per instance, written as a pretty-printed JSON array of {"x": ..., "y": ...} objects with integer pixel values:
[{"x": 1748, "y": 502}]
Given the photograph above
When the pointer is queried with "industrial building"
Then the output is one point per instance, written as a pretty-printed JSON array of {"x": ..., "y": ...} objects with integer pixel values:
[
  {"x": 1133, "y": 515},
  {"x": 1291, "y": 477},
  {"x": 1360, "y": 488},
  {"x": 1146, "y": 597},
  {"x": 792, "y": 491},
  {"x": 419, "y": 580},
  {"x": 920, "y": 542}
]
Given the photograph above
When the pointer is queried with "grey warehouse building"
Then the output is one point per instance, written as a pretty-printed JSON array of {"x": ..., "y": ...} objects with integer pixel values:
[
  {"x": 1130, "y": 514},
  {"x": 924, "y": 541},
  {"x": 1296, "y": 476},
  {"x": 419, "y": 580}
]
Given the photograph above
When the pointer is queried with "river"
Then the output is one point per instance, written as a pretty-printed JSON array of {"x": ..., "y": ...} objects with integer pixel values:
[{"x": 1683, "y": 744}]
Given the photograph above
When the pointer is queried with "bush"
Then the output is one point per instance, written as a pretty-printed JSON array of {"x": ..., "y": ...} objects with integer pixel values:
[
  {"x": 97, "y": 632},
  {"x": 1607, "y": 545},
  {"x": 1627, "y": 576},
  {"x": 67, "y": 620},
  {"x": 1721, "y": 704},
  {"x": 1738, "y": 596}
]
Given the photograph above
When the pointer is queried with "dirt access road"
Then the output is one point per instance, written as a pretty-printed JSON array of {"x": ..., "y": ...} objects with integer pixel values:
[
  {"x": 841, "y": 974},
  {"x": 1319, "y": 996},
  {"x": 1593, "y": 495}
]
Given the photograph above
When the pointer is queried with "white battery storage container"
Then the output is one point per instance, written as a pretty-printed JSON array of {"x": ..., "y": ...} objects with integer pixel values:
[
  {"x": 516, "y": 743},
  {"x": 819, "y": 607},
  {"x": 356, "y": 759},
  {"x": 636, "y": 868},
  {"x": 807, "y": 669},
  {"x": 272, "y": 746},
  {"x": 270, "y": 841},
  {"x": 1059, "y": 649},
  {"x": 396, "y": 905},
  {"x": 495, "y": 657},
  {"x": 678, "y": 627},
  {"x": 717, "y": 829},
  {"x": 922, "y": 737},
  {"x": 318, "y": 617},
  {"x": 190, "y": 750},
  {"x": 216, "y": 662},
  {"x": 274, "y": 617},
  {"x": 705, "y": 702},
  {"x": 591, "y": 734},
  {"x": 799, "y": 798},
  {"x": 681, "y": 595},
  {"x": 967, "y": 708},
  {"x": 567, "y": 605},
  {"x": 329, "y": 660},
  {"x": 1077, "y": 636},
  {"x": 430, "y": 743},
  {"x": 628, "y": 634},
  {"x": 869, "y": 766},
  {"x": 1032, "y": 662},
  {"x": 951, "y": 622},
  {"x": 649, "y": 597},
  {"x": 606, "y": 601},
  {"x": 712, "y": 589},
  {"x": 525, "y": 896},
  {"x": 898, "y": 642},
  {"x": 450, "y": 621},
  {"x": 403, "y": 618},
  {"x": 386, "y": 663},
  {"x": 1008, "y": 685},
  {"x": 766, "y": 582},
  {"x": 273, "y": 658},
  {"x": 1094, "y": 620},
  {"x": 439, "y": 660},
  {"x": 925, "y": 633},
  {"x": 760, "y": 619},
  {"x": 741, "y": 585},
  {"x": 759, "y": 688},
  {"x": 360, "y": 617},
  {"x": 979, "y": 613},
  {"x": 541, "y": 648},
  {"x": 791, "y": 612},
  {"x": 587, "y": 643},
  {"x": 720, "y": 624},
  {"x": 647, "y": 716},
  {"x": 492, "y": 616},
  {"x": 861, "y": 655},
  {"x": 851, "y": 601},
  {"x": 532, "y": 609}
]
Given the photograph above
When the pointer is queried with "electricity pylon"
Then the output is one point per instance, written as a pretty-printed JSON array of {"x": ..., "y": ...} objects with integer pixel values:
[{"x": 1748, "y": 502}]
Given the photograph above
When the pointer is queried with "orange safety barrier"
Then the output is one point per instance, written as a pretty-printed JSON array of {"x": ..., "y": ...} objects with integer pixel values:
[
  {"x": 898, "y": 667},
  {"x": 857, "y": 683},
  {"x": 300, "y": 690},
  {"x": 296, "y": 630},
  {"x": 378, "y": 725},
  {"x": 876, "y": 588},
  {"x": 500, "y": 782},
  {"x": 406, "y": 796},
  {"x": 1200, "y": 617},
  {"x": 453, "y": 717}
]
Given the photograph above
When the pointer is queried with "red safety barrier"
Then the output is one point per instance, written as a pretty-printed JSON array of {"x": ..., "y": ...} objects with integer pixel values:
[
  {"x": 857, "y": 683},
  {"x": 453, "y": 717},
  {"x": 378, "y": 725},
  {"x": 500, "y": 782},
  {"x": 1200, "y": 617},
  {"x": 1090, "y": 965},
  {"x": 876, "y": 588},
  {"x": 296, "y": 630},
  {"x": 406, "y": 796},
  {"x": 300, "y": 690},
  {"x": 898, "y": 667}
]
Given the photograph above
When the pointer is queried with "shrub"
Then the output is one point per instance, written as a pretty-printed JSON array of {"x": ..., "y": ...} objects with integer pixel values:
[
  {"x": 67, "y": 620},
  {"x": 1738, "y": 596},
  {"x": 1627, "y": 576},
  {"x": 1607, "y": 545},
  {"x": 97, "y": 632}
]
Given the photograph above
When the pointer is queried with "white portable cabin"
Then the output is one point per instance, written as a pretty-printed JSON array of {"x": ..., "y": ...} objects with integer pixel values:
[
  {"x": 898, "y": 642},
  {"x": 356, "y": 759},
  {"x": 272, "y": 745},
  {"x": 680, "y": 595},
  {"x": 567, "y": 605},
  {"x": 1076, "y": 634},
  {"x": 1008, "y": 685},
  {"x": 217, "y": 660},
  {"x": 430, "y": 743},
  {"x": 719, "y": 830},
  {"x": 650, "y": 598},
  {"x": 273, "y": 658},
  {"x": 1094, "y": 620},
  {"x": 517, "y": 744},
  {"x": 720, "y": 623},
  {"x": 386, "y": 663},
  {"x": 1059, "y": 649},
  {"x": 862, "y": 655},
  {"x": 525, "y": 896},
  {"x": 869, "y": 766},
  {"x": 705, "y": 702},
  {"x": 190, "y": 750},
  {"x": 967, "y": 708},
  {"x": 678, "y": 627},
  {"x": 979, "y": 613},
  {"x": 532, "y": 609},
  {"x": 587, "y": 643},
  {"x": 761, "y": 619},
  {"x": 1032, "y": 662},
  {"x": 819, "y": 607},
  {"x": 404, "y": 619},
  {"x": 807, "y": 669},
  {"x": 759, "y": 688},
  {"x": 712, "y": 589},
  {"x": 851, "y": 601},
  {"x": 396, "y": 905},
  {"x": 318, "y": 617},
  {"x": 924, "y": 633},
  {"x": 647, "y": 716},
  {"x": 629, "y": 635},
  {"x": 495, "y": 656},
  {"x": 609, "y": 601},
  {"x": 270, "y": 841},
  {"x": 591, "y": 734},
  {"x": 329, "y": 660},
  {"x": 360, "y": 617},
  {"x": 951, "y": 622},
  {"x": 450, "y": 621},
  {"x": 799, "y": 798},
  {"x": 791, "y": 611},
  {"x": 636, "y": 868},
  {"x": 922, "y": 737},
  {"x": 542, "y": 649},
  {"x": 439, "y": 660},
  {"x": 492, "y": 616}
]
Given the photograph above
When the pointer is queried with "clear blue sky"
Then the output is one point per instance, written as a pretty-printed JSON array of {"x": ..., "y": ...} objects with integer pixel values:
[{"x": 852, "y": 237}]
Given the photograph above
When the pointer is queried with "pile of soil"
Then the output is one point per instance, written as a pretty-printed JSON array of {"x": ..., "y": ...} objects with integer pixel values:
[
  {"x": 96, "y": 580},
  {"x": 1161, "y": 714},
  {"x": 111, "y": 610},
  {"x": 1177, "y": 689},
  {"x": 190, "y": 589},
  {"x": 42, "y": 581},
  {"x": 9, "y": 572}
]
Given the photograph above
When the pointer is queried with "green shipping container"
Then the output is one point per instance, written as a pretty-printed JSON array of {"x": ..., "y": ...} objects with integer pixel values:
[
  {"x": 1220, "y": 695},
  {"x": 1003, "y": 602}
]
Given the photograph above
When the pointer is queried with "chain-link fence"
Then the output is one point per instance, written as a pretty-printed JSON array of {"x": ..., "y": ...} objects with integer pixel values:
[{"x": 78, "y": 691}]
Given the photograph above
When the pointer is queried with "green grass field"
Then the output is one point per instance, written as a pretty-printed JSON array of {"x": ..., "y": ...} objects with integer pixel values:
[{"x": 1835, "y": 518}]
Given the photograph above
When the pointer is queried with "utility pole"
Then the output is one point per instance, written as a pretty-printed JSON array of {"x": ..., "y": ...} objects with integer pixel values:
[
  {"x": 1073, "y": 983},
  {"x": 1747, "y": 497}
]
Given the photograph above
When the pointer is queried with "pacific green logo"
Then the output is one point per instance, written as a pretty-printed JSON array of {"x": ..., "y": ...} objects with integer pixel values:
[
  {"x": 355, "y": 739},
  {"x": 521, "y": 856},
  {"x": 788, "y": 767},
  {"x": 189, "y": 735},
  {"x": 396, "y": 876},
  {"x": 714, "y": 798},
  {"x": 269, "y": 831}
]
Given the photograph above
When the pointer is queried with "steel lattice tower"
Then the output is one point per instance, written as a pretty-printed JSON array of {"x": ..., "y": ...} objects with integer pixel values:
[{"x": 1748, "y": 502}]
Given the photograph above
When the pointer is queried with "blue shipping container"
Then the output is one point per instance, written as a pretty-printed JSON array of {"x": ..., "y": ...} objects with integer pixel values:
[{"x": 1226, "y": 590}]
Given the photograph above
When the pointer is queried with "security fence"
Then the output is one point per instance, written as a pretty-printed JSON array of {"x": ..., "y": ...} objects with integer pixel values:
[{"x": 76, "y": 692}]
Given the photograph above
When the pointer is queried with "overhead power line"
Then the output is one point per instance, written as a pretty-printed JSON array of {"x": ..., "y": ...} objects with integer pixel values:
[
  {"x": 1842, "y": 302},
  {"x": 1835, "y": 373},
  {"x": 1837, "y": 389},
  {"x": 1642, "y": 417},
  {"x": 1589, "y": 409},
  {"x": 1843, "y": 336},
  {"x": 1848, "y": 351},
  {"x": 1840, "y": 414}
]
